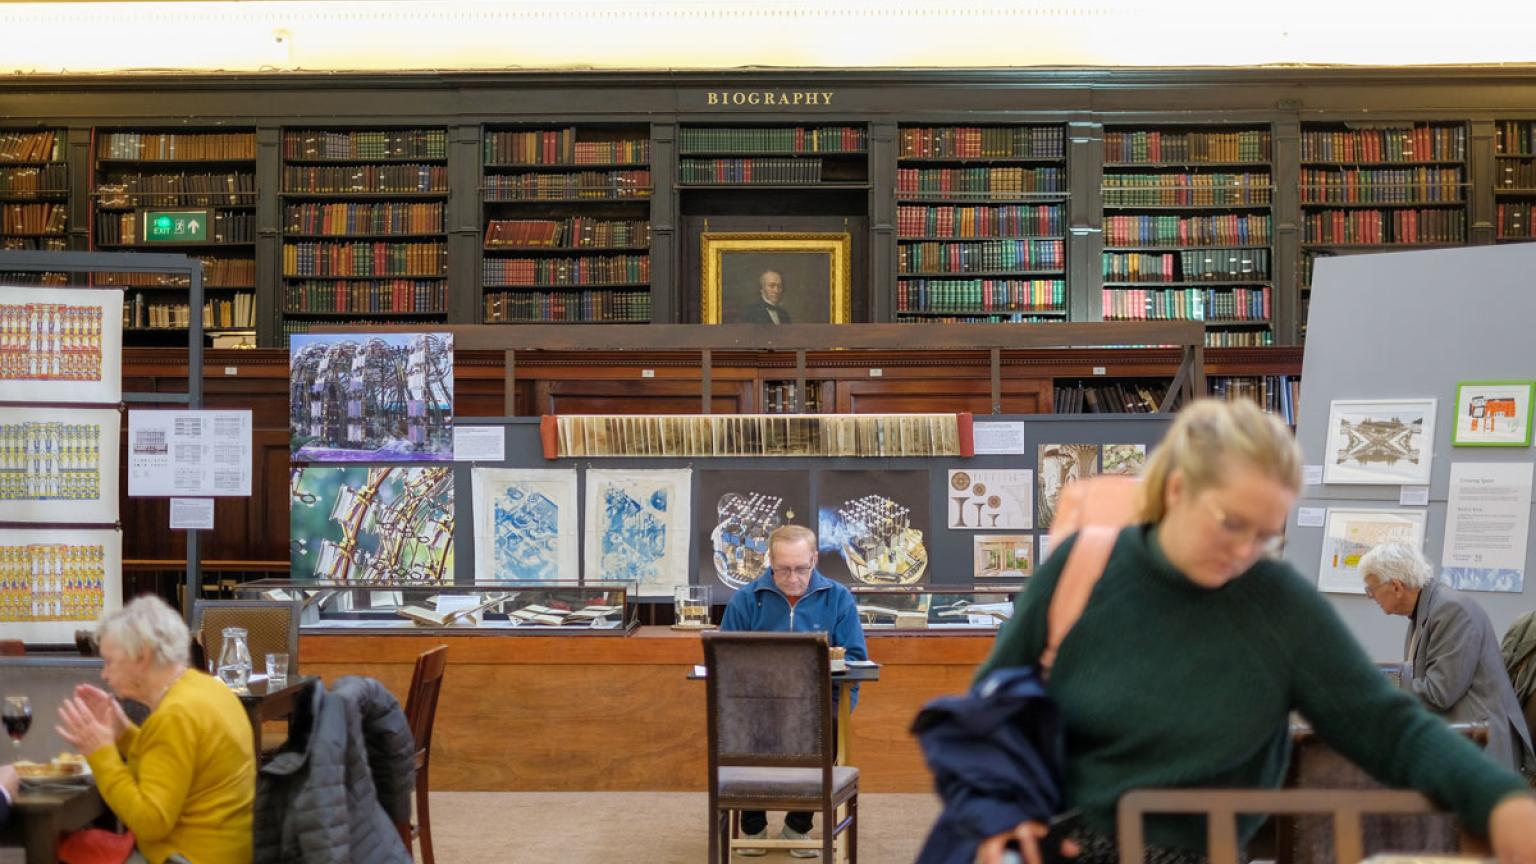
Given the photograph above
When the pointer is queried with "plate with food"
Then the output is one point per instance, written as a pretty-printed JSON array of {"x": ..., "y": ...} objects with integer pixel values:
[{"x": 63, "y": 768}]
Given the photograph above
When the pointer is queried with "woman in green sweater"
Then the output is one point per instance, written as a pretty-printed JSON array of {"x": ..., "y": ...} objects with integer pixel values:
[{"x": 1196, "y": 645}]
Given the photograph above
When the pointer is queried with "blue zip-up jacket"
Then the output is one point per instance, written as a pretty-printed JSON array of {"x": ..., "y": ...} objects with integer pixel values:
[{"x": 825, "y": 607}]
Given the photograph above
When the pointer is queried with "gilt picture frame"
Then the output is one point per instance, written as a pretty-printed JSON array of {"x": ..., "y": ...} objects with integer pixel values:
[{"x": 814, "y": 272}]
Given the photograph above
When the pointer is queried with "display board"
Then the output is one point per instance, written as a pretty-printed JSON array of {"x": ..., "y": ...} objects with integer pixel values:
[{"x": 1381, "y": 330}]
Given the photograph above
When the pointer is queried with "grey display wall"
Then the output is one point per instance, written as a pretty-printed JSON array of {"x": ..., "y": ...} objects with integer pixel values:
[
  {"x": 1410, "y": 325},
  {"x": 949, "y": 551}
]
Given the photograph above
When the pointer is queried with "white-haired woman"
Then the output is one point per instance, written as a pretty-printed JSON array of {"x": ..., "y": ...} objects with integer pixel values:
[
  {"x": 1195, "y": 646},
  {"x": 1453, "y": 659},
  {"x": 183, "y": 782}
]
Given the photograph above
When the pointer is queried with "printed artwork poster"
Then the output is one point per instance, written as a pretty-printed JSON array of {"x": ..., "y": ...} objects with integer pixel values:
[
  {"x": 59, "y": 465},
  {"x": 1487, "y": 526},
  {"x": 1002, "y": 556},
  {"x": 638, "y": 528},
  {"x": 61, "y": 345},
  {"x": 1125, "y": 459},
  {"x": 1374, "y": 441},
  {"x": 527, "y": 525},
  {"x": 1349, "y": 534},
  {"x": 1059, "y": 465},
  {"x": 371, "y": 397},
  {"x": 872, "y": 527},
  {"x": 736, "y": 512},
  {"x": 991, "y": 500},
  {"x": 54, "y": 582},
  {"x": 371, "y": 524},
  {"x": 1493, "y": 414}
]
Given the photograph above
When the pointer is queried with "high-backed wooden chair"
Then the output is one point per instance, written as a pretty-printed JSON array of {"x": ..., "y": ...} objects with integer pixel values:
[
  {"x": 771, "y": 739},
  {"x": 420, "y": 710},
  {"x": 272, "y": 627}
]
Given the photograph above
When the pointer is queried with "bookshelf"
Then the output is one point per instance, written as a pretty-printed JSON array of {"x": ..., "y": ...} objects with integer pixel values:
[
  {"x": 1188, "y": 229},
  {"x": 1514, "y": 179},
  {"x": 780, "y": 157},
  {"x": 34, "y": 197},
  {"x": 981, "y": 224},
  {"x": 204, "y": 178},
  {"x": 364, "y": 233},
  {"x": 1376, "y": 186},
  {"x": 567, "y": 218}
]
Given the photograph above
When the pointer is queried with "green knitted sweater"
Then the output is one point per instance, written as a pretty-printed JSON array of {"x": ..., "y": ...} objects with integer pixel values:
[{"x": 1163, "y": 683}]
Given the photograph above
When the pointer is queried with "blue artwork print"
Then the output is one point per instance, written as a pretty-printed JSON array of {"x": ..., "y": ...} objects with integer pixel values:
[
  {"x": 638, "y": 528},
  {"x": 527, "y": 530},
  {"x": 634, "y": 540},
  {"x": 526, "y": 525}
]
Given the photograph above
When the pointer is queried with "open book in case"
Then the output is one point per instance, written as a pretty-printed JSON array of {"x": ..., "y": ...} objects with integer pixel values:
[
  {"x": 511, "y": 608},
  {"x": 938, "y": 608}
]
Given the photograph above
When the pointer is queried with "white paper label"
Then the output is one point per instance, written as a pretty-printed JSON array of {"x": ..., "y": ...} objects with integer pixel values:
[
  {"x": 647, "y": 373},
  {"x": 1413, "y": 496},
  {"x": 1311, "y": 475},
  {"x": 191, "y": 513},
  {"x": 982, "y": 620},
  {"x": 876, "y": 373},
  {"x": 1311, "y": 517},
  {"x": 999, "y": 438},
  {"x": 202, "y": 453},
  {"x": 479, "y": 444}
]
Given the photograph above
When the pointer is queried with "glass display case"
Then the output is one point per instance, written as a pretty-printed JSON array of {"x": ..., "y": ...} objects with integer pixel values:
[
  {"x": 936, "y": 607},
  {"x": 513, "y": 608}
]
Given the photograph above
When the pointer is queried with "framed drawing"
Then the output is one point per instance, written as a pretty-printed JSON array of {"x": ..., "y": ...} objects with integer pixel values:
[
  {"x": 1380, "y": 441},
  {"x": 775, "y": 278},
  {"x": 1493, "y": 414},
  {"x": 1349, "y": 534}
]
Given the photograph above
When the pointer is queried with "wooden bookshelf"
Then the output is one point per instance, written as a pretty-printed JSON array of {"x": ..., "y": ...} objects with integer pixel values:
[
  {"x": 1189, "y": 230},
  {"x": 209, "y": 175},
  {"x": 800, "y": 157},
  {"x": 567, "y": 224},
  {"x": 1514, "y": 180},
  {"x": 364, "y": 226},
  {"x": 34, "y": 197}
]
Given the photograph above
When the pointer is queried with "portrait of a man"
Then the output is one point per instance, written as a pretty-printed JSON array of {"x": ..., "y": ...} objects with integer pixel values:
[
  {"x": 770, "y": 306},
  {"x": 775, "y": 279}
]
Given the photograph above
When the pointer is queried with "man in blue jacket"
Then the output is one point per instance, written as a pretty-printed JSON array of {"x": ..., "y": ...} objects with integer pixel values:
[{"x": 793, "y": 597}]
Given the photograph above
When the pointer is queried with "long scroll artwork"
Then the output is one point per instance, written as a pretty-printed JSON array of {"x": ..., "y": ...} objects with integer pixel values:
[
  {"x": 371, "y": 524},
  {"x": 59, "y": 465},
  {"x": 61, "y": 345},
  {"x": 371, "y": 397},
  {"x": 527, "y": 527},
  {"x": 702, "y": 435},
  {"x": 54, "y": 582}
]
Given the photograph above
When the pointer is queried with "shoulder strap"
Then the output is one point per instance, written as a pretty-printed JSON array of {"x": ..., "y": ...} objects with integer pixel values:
[{"x": 1085, "y": 564}]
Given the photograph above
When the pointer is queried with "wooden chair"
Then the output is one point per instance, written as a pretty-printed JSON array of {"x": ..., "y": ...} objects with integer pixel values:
[
  {"x": 771, "y": 739},
  {"x": 272, "y": 627},
  {"x": 420, "y": 710}
]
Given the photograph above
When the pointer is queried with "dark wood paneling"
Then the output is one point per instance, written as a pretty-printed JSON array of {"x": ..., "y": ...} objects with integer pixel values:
[{"x": 1027, "y": 396}]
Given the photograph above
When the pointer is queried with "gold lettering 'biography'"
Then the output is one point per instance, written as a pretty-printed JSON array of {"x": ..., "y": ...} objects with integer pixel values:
[{"x": 769, "y": 98}]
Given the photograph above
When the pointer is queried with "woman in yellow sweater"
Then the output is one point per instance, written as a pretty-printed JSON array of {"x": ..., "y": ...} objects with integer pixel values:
[{"x": 183, "y": 782}]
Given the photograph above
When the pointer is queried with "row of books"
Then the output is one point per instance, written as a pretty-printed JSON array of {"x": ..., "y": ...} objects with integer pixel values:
[
  {"x": 186, "y": 146},
  {"x": 989, "y": 318},
  {"x": 391, "y": 295},
  {"x": 798, "y": 139},
  {"x": 34, "y": 218},
  {"x": 988, "y": 256},
  {"x": 507, "y": 307},
  {"x": 1419, "y": 143},
  {"x": 596, "y": 185},
  {"x": 1179, "y": 148},
  {"x": 1515, "y": 174},
  {"x": 1186, "y": 304},
  {"x": 1382, "y": 185},
  {"x": 365, "y": 259},
  {"x": 1196, "y": 265},
  {"x": 381, "y": 218},
  {"x": 293, "y": 326},
  {"x": 779, "y": 398},
  {"x": 1229, "y": 228},
  {"x": 1108, "y": 397},
  {"x": 560, "y": 147},
  {"x": 367, "y": 144},
  {"x": 1277, "y": 394},
  {"x": 33, "y": 244},
  {"x": 1239, "y": 338},
  {"x": 1513, "y": 219},
  {"x": 764, "y": 170},
  {"x": 226, "y": 226},
  {"x": 997, "y": 182},
  {"x": 217, "y": 273},
  {"x": 177, "y": 190},
  {"x": 1510, "y": 137},
  {"x": 410, "y": 177},
  {"x": 1384, "y": 226},
  {"x": 35, "y": 181},
  {"x": 981, "y": 295},
  {"x": 218, "y": 313},
  {"x": 982, "y": 142},
  {"x": 1186, "y": 190},
  {"x": 575, "y": 232},
  {"x": 42, "y": 146},
  {"x": 1010, "y": 220},
  {"x": 592, "y": 270}
]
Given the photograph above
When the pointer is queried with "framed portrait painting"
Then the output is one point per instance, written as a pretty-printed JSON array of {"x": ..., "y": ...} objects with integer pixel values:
[
  {"x": 1493, "y": 414},
  {"x": 775, "y": 278}
]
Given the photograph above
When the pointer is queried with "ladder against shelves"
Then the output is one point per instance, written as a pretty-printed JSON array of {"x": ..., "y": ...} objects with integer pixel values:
[
  {"x": 364, "y": 227},
  {"x": 567, "y": 217},
  {"x": 1188, "y": 229},
  {"x": 1514, "y": 179},
  {"x": 192, "y": 192},
  {"x": 34, "y": 198}
]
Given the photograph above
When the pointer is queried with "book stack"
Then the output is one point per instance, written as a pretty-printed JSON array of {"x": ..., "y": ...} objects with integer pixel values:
[
  {"x": 387, "y": 295},
  {"x": 1219, "y": 230},
  {"x": 42, "y": 146},
  {"x": 573, "y": 233},
  {"x": 758, "y": 171},
  {"x": 1418, "y": 185},
  {"x": 989, "y": 182},
  {"x": 1013, "y": 220},
  {"x": 403, "y": 179},
  {"x": 177, "y": 146},
  {"x": 366, "y": 144},
  {"x": 1384, "y": 227},
  {"x": 798, "y": 139},
  {"x": 583, "y": 185},
  {"x": 1109, "y": 397},
  {"x": 1277, "y": 394},
  {"x": 34, "y": 219},
  {"x": 365, "y": 259},
  {"x": 988, "y": 256},
  {"x": 1420, "y": 142},
  {"x": 981, "y": 295},
  {"x": 358, "y": 219},
  {"x": 1186, "y": 190},
  {"x": 1183, "y": 148},
  {"x": 135, "y": 189},
  {"x": 527, "y": 307},
  {"x": 591, "y": 270},
  {"x": 982, "y": 142},
  {"x": 34, "y": 182}
]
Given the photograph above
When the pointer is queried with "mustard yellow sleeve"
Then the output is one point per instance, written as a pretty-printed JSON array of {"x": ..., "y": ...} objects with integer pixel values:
[
  {"x": 150, "y": 805},
  {"x": 125, "y": 740}
]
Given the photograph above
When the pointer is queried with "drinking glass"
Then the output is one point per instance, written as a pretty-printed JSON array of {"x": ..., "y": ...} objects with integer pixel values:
[
  {"x": 18, "y": 718},
  {"x": 691, "y": 603},
  {"x": 277, "y": 667}
]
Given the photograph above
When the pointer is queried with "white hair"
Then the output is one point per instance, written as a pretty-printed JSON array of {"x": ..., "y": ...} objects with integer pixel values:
[
  {"x": 1397, "y": 562},
  {"x": 148, "y": 626}
]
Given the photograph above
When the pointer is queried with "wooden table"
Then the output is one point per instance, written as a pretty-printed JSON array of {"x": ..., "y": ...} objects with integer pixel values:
[
  {"x": 264, "y": 702},
  {"x": 41, "y": 814}
]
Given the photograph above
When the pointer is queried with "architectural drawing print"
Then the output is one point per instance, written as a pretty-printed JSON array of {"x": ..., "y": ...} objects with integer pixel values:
[
  {"x": 59, "y": 464},
  {"x": 55, "y": 582},
  {"x": 871, "y": 526},
  {"x": 1493, "y": 413},
  {"x": 356, "y": 524},
  {"x": 737, "y": 512},
  {"x": 1059, "y": 465},
  {"x": 638, "y": 528},
  {"x": 1002, "y": 556},
  {"x": 386, "y": 396},
  {"x": 1126, "y": 459},
  {"x": 1349, "y": 534},
  {"x": 61, "y": 344},
  {"x": 527, "y": 526},
  {"x": 1380, "y": 442},
  {"x": 991, "y": 500}
]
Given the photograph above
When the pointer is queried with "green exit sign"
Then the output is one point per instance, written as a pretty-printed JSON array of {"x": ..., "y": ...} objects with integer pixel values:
[{"x": 175, "y": 226}]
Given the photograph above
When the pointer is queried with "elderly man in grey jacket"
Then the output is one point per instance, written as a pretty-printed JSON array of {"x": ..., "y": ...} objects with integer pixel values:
[{"x": 1452, "y": 655}]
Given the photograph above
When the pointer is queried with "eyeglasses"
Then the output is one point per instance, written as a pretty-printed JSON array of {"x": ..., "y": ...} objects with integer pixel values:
[
  {"x": 1370, "y": 590},
  {"x": 1239, "y": 531},
  {"x": 804, "y": 570}
]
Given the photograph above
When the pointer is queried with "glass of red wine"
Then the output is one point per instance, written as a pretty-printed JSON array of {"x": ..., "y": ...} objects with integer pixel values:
[{"x": 17, "y": 715}]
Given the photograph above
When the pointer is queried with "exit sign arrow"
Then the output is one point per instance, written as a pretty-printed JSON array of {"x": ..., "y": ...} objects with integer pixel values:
[{"x": 174, "y": 226}]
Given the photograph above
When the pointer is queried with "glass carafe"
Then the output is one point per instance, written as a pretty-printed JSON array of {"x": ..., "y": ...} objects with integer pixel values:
[{"x": 235, "y": 659}]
